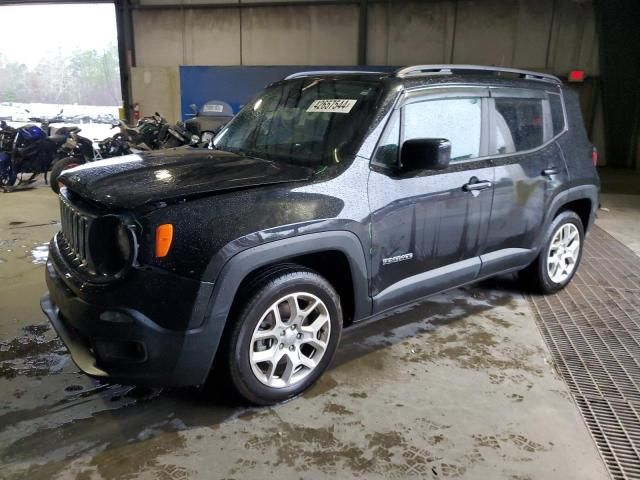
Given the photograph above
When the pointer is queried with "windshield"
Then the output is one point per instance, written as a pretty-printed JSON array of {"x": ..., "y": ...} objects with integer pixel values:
[{"x": 309, "y": 122}]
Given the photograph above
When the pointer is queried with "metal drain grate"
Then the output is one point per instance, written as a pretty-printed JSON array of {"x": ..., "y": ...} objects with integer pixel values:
[{"x": 592, "y": 328}]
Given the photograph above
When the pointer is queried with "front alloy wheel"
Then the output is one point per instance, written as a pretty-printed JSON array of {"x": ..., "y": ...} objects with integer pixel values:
[
  {"x": 290, "y": 340},
  {"x": 285, "y": 334}
]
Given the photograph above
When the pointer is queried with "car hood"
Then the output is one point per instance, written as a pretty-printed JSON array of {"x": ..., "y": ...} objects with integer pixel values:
[{"x": 134, "y": 180}]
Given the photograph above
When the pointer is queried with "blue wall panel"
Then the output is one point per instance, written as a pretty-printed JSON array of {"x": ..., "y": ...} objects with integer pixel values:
[{"x": 237, "y": 85}]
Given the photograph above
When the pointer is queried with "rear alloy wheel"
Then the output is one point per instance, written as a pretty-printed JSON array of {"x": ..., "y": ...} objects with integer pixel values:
[
  {"x": 563, "y": 253},
  {"x": 285, "y": 337},
  {"x": 559, "y": 257}
]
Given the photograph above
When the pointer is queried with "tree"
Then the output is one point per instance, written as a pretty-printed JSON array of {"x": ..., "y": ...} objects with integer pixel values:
[{"x": 87, "y": 77}]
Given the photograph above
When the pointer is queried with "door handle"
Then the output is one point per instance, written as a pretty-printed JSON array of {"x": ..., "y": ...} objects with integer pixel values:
[
  {"x": 476, "y": 185},
  {"x": 550, "y": 171}
]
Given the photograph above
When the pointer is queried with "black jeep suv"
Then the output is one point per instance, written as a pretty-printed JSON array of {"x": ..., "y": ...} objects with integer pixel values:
[{"x": 331, "y": 197}]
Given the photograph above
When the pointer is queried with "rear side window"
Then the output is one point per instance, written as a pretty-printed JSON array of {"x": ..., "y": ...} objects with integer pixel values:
[
  {"x": 518, "y": 124},
  {"x": 459, "y": 120},
  {"x": 557, "y": 113}
]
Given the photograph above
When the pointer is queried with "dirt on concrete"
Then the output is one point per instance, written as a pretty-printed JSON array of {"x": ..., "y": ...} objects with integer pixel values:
[{"x": 459, "y": 386}]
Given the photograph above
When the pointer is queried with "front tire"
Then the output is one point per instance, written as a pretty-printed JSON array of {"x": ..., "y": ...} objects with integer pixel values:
[
  {"x": 57, "y": 169},
  {"x": 560, "y": 256},
  {"x": 8, "y": 175},
  {"x": 285, "y": 336}
]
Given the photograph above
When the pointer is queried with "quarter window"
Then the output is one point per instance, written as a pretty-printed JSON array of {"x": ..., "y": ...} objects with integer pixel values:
[
  {"x": 518, "y": 124},
  {"x": 459, "y": 120},
  {"x": 557, "y": 113},
  {"x": 387, "y": 151}
]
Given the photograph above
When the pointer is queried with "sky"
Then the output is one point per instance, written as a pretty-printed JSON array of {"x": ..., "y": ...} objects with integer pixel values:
[{"x": 29, "y": 32}]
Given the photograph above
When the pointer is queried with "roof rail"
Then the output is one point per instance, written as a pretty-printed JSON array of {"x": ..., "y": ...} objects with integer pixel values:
[
  {"x": 418, "y": 70},
  {"x": 325, "y": 72}
]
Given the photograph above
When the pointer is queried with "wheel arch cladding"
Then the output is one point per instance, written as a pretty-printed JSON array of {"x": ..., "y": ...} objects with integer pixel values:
[
  {"x": 303, "y": 250},
  {"x": 582, "y": 199},
  {"x": 582, "y": 207}
]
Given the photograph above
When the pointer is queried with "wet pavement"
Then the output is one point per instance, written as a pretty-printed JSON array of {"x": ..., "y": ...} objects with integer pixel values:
[{"x": 460, "y": 386}]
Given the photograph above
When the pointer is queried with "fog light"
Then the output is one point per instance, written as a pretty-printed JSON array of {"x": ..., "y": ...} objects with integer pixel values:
[
  {"x": 115, "y": 317},
  {"x": 109, "y": 351}
]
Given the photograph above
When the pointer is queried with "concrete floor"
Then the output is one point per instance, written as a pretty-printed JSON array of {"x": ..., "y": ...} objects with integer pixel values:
[
  {"x": 620, "y": 202},
  {"x": 460, "y": 386}
]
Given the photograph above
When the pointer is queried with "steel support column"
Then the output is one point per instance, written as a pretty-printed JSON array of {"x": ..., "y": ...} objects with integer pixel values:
[
  {"x": 362, "y": 32},
  {"x": 126, "y": 53}
]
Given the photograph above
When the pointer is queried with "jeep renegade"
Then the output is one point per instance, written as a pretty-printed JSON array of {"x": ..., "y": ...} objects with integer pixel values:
[{"x": 331, "y": 197}]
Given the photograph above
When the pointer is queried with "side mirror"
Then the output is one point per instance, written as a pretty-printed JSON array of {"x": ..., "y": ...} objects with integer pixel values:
[
  {"x": 425, "y": 154},
  {"x": 194, "y": 108}
]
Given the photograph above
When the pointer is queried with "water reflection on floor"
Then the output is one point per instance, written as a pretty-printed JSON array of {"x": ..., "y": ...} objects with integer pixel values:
[{"x": 458, "y": 386}]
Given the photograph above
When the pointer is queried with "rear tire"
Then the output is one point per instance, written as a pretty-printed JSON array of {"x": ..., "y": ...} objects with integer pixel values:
[
  {"x": 560, "y": 256},
  {"x": 57, "y": 169},
  {"x": 285, "y": 336}
]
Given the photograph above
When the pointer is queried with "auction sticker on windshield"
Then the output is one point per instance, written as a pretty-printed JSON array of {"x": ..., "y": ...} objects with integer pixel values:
[{"x": 338, "y": 105}]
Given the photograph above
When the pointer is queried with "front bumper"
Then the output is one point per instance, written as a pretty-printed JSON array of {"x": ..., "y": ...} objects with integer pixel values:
[{"x": 121, "y": 344}]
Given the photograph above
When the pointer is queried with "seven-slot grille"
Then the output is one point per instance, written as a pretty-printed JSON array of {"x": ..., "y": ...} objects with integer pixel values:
[{"x": 75, "y": 230}]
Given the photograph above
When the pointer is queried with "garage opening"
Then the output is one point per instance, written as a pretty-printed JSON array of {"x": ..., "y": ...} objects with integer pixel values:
[{"x": 60, "y": 63}]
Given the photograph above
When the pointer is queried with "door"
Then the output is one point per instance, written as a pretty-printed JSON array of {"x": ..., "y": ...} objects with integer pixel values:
[
  {"x": 529, "y": 171},
  {"x": 428, "y": 227}
]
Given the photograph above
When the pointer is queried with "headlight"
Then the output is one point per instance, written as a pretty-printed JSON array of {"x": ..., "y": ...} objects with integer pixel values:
[{"x": 112, "y": 245}]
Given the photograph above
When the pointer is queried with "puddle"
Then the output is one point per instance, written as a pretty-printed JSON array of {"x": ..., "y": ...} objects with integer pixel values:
[
  {"x": 40, "y": 254},
  {"x": 33, "y": 354}
]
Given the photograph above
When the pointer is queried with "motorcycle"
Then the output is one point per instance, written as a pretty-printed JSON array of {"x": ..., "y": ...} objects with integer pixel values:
[
  {"x": 172, "y": 136},
  {"x": 155, "y": 133},
  {"x": 114, "y": 146},
  {"x": 151, "y": 133},
  {"x": 7, "y": 136},
  {"x": 209, "y": 120},
  {"x": 31, "y": 149},
  {"x": 76, "y": 151},
  {"x": 146, "y": 134}
]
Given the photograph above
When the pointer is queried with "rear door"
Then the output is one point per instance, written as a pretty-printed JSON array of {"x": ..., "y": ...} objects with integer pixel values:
[
  {"x": 529, "y": 170},
  {"x": 428, "y": 227}
]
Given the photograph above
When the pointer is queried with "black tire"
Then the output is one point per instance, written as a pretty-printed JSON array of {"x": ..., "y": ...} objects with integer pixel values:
[
  {"x": 536, "y": 276},
  {"x": 260, "y": 296},
  {"x": 8, "y": 178},
  {"x": 57, "y": 169}
]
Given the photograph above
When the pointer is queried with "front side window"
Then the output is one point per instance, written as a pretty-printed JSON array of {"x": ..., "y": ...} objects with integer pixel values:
[
  {"x": 518, "y": 124},
  {"x": 458, "y": 120},
  {"x": 310, "y": 121}
]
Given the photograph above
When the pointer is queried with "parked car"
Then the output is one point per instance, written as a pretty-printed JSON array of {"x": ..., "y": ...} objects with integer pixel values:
[{"x": 332, "y": 197}]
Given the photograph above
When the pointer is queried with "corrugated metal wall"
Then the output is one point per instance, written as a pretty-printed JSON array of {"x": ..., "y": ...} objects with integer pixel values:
[
  {"x": 550, "y": 35},
  {"x": 555, "y": 35}
]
